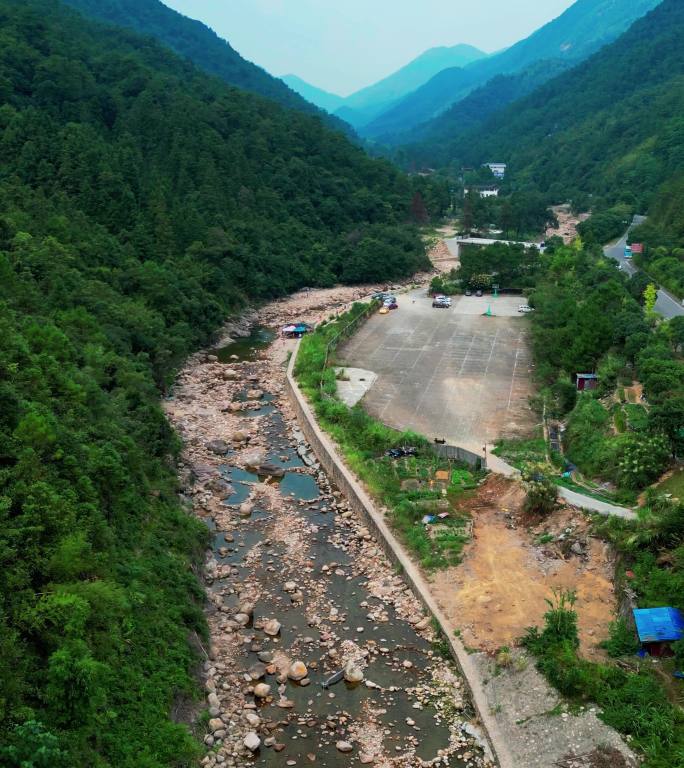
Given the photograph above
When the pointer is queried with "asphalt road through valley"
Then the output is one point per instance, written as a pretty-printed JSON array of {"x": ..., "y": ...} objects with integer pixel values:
[{"x": 667, "y": 305}]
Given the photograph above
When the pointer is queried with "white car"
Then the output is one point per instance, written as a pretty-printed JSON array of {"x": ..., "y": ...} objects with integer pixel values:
[{"x": 525, "y": 308}]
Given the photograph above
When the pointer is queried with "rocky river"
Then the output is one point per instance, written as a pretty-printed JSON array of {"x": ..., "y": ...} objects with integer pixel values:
[{"x": 320, "y": 653}]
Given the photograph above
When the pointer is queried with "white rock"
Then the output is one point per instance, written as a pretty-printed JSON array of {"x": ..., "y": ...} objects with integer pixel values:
[
  {"x": 272, "y": 627},
  {"x": 252, "y": 741},
  {"x": 352, "y": 673}
]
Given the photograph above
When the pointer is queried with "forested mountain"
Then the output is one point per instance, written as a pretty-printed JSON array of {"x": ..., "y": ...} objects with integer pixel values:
[
  {"x": 481, "y": 104},
  {"x": 322, "y": 99},
  {"x": 195, "y": 41},
  {"x": 140, "y": 202},
  {"x": 362, "y": 106},
  {"x": 583, "y": 29},
  {"x": 612, "y": 127}
]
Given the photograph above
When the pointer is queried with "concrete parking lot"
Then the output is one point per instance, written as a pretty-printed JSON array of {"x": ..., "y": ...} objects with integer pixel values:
[{"x": 448, "y": 373}]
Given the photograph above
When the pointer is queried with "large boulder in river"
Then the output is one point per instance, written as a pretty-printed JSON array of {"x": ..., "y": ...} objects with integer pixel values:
[
  {"x": 353, "y": 673},
  {"x": 220, "y": 486},
  {"x": 253, "y": 460},
  {"x": 272, "y": 627},
  {"x": 240, "y": 437},
  {"x": 252, "y": 741},
  {"x": 268, "y": 469},
  {"x": 246, "y": 509},
  {"x": 219, "y": 447}
]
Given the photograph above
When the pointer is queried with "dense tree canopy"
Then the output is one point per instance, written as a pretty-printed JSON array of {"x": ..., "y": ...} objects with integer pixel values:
[
  {"x": 140, "y": 202},
  {"x": 587, "y": 319}
]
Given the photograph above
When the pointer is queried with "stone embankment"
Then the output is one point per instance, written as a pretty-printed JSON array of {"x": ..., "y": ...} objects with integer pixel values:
[{"x": 300, "y": 591}]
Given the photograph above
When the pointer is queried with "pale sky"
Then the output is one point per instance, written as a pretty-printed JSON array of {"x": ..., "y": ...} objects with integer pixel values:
[{"x": 344, "y": 45}]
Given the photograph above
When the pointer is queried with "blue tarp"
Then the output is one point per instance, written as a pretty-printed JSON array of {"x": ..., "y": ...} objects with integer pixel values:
[{"x": 656, "y": 625}]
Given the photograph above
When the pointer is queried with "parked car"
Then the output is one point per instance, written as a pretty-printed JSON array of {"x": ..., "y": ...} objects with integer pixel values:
[
  {"x": 392, "y": 305},
  {"x": 468, "y": 292},
  {"x": 384, "y": 311},
  {"x": 525, "y": 308},
  {"x": 441, "y": 302},
  {"x": 478, "y": 293},
  {"x": 399, "y": 453}
]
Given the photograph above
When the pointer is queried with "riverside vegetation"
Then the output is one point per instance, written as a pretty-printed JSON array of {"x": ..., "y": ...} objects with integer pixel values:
[
  {"x": 141, "y": 202},
  {"x": 407, "y": 486}
]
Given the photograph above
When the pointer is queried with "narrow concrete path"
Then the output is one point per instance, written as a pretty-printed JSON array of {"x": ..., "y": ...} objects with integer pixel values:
[
  {"x": 498, "y": 465},
  {"x": 602, "y": 507}
]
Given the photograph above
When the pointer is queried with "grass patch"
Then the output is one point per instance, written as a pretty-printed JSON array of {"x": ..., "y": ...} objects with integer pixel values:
[
  {"x": 674, "y": 484},
  {"x": 409, "y": 487},
  {"x": 637, "y": 417},
  {"x": 520, "y": 452}
]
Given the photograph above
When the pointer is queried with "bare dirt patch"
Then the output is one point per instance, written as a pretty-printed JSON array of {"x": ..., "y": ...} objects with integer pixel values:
[
  {"x": 442, "y": 257},
  {"x": 567, "y": 223},
  {"x": 510, "y": 568}
]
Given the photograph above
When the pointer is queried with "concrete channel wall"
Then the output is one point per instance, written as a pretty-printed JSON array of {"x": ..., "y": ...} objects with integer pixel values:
[{"x": 346, "y": 481}]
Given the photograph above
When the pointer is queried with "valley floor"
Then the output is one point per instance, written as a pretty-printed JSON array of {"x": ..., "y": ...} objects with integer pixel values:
[
  {"x": 298, "y": 589},
  {"x": 293, "y": 576}
]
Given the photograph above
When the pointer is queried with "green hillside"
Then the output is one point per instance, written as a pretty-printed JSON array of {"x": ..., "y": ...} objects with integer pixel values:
[
  {"x": 579, "y": 32},
  {"x": 612, "y": 127},
  {"x": 196, "y": 42},
  {"x": 478, "y": 106},
  {"x": 140, "y": 203}
]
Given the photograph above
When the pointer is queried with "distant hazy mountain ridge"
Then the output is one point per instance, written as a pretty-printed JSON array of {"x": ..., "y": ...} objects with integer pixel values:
[
  {"x": 579, "y": 32},
  {"x": 364, "y": 105}
]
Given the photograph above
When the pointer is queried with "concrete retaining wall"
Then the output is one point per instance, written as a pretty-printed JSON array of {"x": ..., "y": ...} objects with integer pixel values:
[
  {"x": 330, "y": 460},
  {"x": 454, "y": 453}
]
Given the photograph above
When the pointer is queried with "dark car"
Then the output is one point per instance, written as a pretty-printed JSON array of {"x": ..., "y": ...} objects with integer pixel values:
[
  {"x": 478, "y": 293},
  {"x": 399, "y": 453},
  {"x": 468, "y": 292}
]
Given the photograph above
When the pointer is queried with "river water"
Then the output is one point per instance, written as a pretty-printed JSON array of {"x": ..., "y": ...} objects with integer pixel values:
[{"x": 348, "y": 605}]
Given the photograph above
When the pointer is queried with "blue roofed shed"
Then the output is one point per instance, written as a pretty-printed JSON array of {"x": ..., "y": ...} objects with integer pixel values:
[{"x": 658, "y": 627}]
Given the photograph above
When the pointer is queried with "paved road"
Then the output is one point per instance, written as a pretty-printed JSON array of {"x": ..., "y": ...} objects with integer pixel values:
[{"x": 667, "y": 305}]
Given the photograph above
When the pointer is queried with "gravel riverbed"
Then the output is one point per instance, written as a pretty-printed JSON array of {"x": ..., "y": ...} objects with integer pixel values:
[{"x": 298, "y": 591}]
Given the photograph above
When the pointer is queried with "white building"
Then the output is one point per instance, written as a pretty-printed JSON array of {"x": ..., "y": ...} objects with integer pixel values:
[
  {"x": 483, "y": 191},
  {"x": 498, "y": 169}
]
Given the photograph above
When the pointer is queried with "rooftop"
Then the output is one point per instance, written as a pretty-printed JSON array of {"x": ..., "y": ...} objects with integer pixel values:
[{"x": 656, "y": 625}]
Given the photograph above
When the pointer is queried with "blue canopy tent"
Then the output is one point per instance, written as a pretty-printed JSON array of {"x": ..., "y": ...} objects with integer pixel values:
[{"x": 658, "y": 627}]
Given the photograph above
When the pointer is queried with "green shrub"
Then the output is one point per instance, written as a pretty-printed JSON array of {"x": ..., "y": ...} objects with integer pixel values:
[
  {"x": 541, "y": 492},
  {"x": 622, "y": 640}
]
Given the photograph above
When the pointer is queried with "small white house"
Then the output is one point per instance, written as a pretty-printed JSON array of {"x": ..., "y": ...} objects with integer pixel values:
[
  {"x": 498, "y": 169},
  {"x": 483, "y": 191}
]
